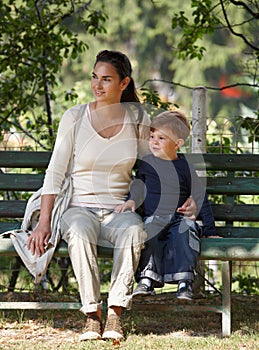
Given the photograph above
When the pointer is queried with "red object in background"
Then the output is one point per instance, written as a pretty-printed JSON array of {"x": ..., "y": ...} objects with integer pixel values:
[{"x": 232, "y": 92}]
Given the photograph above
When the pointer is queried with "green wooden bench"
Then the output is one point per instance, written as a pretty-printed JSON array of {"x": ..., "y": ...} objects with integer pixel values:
[{"x": 228, "y": 176}]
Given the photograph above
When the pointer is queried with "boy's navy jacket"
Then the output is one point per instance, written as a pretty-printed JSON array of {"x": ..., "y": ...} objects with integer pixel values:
[{"x": 164, "y": 185}]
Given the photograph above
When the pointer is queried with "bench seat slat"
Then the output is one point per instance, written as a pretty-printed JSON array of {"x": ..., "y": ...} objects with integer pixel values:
[
  {"x": 9, "y": 225},
  {"x": 212, "y": 249},
  {"x": 7, "y": 249},
  {"x": 230, "y": 249}
]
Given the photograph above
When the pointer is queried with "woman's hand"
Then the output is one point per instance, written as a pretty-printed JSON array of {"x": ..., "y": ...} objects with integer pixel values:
[
  {"x": 189, "y": 209},
  {"x": 38, "y": 240}
]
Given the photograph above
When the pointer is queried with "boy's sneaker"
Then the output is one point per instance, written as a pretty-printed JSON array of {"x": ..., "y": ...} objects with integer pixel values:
[
  {"x": 113, "y": 329},
  {"x": 93, "y": 329},
  {"x": 184, "y": 291},
  {"x": 144, "y": 290}
]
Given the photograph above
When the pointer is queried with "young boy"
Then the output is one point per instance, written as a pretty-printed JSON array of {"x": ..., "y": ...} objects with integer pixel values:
[{"x": 164, "y": 181}]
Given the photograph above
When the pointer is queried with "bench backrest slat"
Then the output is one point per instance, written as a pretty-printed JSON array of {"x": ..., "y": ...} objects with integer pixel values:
[
  {"x": 23, "y": 159},
  {"x": 228, "y": 176},
  {"x": 240, "y": 185},
  {"x": 233, "y": 212},
  {"x": 237, "y": 232},
  {"x": 12, "y": 208},
  {"x": 225, "y": 162},
  {"x": 21, "y": 182}
]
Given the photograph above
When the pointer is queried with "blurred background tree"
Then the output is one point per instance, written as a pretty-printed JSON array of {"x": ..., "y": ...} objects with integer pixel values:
[{"x": 48, "y": 50}]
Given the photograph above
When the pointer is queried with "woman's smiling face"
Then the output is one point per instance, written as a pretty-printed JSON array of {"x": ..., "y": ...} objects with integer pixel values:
[{"x": 106, "y": 84}]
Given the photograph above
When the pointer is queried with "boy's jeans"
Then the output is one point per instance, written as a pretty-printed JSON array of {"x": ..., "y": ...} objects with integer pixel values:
[{"x": 169, "y": 255}]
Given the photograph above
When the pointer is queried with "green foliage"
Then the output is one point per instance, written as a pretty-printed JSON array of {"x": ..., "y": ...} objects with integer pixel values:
[
  {"x": 222, "y": 35},
  {"x": 152, "y": 97},
  {"x": 35, "y": 39},
  {"x": 251, "y": 125},
  {"x": 203, "y": 22},
  {"x": 153, "y": 102},
  {"x": 45, "y": 67},
  {"x": 209, "y": 16},
  {"x": 247, "y": 284},
  {"x": 224, "y": 145}
]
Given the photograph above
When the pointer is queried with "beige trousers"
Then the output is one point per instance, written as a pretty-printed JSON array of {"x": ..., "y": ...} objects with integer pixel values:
[{"x": 82, "y": 228}]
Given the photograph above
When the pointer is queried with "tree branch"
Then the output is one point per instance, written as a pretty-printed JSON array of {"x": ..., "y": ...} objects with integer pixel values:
[
  {"x": 192, "y": 87},
  {"x": 241, "y": 3},
  {"x": 235, "y": 33}
]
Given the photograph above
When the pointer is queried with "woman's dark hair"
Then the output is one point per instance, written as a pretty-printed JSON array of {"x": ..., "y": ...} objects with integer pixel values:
[{"x": 123, "y": 67}]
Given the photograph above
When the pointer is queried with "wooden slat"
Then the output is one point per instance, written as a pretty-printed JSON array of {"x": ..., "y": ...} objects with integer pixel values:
[
  {"x": 224, "y": 162},
  {"x": 32, "y": 182},
  {"x": 211, "y": 249},
  {"x": 7, "y": 249},
  {"x": 34, "y": 305},
  {"x": 23, "y": 159},
  {"x": 21, "y": 182},
  {"x": 230, "y": 212},
  {"x": 229, "y": 232},
  {"x": 234, "y": 162},
  {"x": 230, "y": 249},
  {"x": 12, "y": 208},
  {"x": 7, "y": 226},
  {"x": 238, "y": 232},
  {"x": 236, "y": 212},
  {"x": 240, "y": 185}
]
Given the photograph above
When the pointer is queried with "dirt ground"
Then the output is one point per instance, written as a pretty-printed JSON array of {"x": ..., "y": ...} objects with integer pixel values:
[{"x": 59, "y": 327}]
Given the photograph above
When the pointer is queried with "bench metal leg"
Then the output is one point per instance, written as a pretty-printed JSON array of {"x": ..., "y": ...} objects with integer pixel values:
[
  {"x": 15, "y": 273},
  {"x": 226, "y": 298}
]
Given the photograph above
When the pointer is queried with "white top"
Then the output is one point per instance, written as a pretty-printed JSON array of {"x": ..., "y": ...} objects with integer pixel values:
[{"x": 102, "y": 167}]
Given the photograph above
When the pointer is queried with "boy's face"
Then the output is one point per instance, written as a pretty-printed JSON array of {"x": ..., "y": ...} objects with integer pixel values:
[{"x": 164, "y": 144}]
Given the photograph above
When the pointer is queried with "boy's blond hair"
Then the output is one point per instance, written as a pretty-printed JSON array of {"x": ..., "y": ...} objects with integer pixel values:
[{"x": 175, "y": 120}]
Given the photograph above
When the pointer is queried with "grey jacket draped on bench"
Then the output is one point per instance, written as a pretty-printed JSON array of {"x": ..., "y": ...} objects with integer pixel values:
[{"x": 35, "y": 264}]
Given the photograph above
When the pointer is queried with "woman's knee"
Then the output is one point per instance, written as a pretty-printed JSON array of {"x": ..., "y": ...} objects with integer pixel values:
[
  {"x": 132, "y": 230},
  {"x": 76, "y": 224}
]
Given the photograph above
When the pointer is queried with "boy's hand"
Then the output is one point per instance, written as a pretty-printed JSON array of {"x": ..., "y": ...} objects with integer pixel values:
[
  {"x": 130, "y": 204},
  {"x": 213, "y": 237},
  {"x": 189, "y": 209}
]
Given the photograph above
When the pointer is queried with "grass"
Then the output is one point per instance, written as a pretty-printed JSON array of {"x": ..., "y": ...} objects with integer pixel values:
[{"x": 144, "y": 330}]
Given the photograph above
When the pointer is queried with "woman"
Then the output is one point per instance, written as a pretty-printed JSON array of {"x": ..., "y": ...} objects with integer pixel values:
[
  {"x": 104, "y": 152},
  {"x": 104, "y": 149}
]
